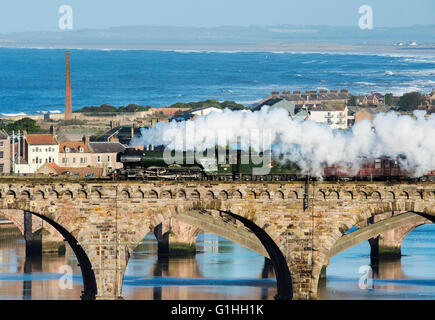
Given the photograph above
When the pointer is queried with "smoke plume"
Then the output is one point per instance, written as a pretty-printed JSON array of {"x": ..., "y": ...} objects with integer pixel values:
[{"x": 309, "y": 144}]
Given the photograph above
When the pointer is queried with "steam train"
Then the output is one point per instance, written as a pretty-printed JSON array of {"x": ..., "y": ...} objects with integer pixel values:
[{"x": 240, "y": 165}]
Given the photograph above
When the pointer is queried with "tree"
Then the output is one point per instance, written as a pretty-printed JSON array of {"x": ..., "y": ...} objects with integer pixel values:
[
  {"x": 106, "y": 108},
  {"x": 136, "y": 108},
  {"x": 410, "y": 101},
  {"x": 388, "y": 99},
  {"x": 210, "y": 103},
  {"x": 352, "y": 101},
  {"x": 23, "y": 124}
]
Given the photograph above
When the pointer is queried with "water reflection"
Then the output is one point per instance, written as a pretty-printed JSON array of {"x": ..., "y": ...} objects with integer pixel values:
[
  {"x": 410, "y": 277},
  {"x": 220, "y": 270},
  {"x": 34, "y": 278},
  {"x": 224, "y": 270}
]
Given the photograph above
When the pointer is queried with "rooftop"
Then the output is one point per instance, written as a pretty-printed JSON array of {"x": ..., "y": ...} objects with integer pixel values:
[
  {"x": 106, "y": 147},
  {"x": 123, "y": 133},
  {"x": 328, "y": 107},
  {"x": 3, "y": 134},
  {"x": 73, "y": 147},
  {"x": 82, "y": 172},
  {"x": 41, "y": 139}
]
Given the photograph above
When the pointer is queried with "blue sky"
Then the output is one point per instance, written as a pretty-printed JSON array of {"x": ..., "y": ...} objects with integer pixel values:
[{"x": 31, "y": 15}]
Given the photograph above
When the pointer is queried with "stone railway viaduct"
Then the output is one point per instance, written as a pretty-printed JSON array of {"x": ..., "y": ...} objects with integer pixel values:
[{"x": 105, "y": 221}]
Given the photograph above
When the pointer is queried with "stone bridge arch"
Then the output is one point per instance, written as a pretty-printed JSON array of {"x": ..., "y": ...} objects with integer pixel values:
[
  {"x": 405, "y": 222},
  {"x": 47, "y": 213},
  {"x": 189, "y": 213},
  {"x": 16, "y": 217}
]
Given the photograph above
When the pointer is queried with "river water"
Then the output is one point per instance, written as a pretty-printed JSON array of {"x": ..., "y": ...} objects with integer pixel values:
[{"x": 222, "y": 270}]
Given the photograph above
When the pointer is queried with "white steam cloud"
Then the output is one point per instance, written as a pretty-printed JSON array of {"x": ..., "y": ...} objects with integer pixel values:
[{"x": 309, "y": 144}]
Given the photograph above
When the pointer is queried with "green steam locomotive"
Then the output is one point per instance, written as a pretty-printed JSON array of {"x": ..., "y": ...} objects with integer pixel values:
[{"x": 223, "y": 165}]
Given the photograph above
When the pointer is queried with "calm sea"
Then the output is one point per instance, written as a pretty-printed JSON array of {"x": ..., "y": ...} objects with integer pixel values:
[{"x": 33, "y": 80}]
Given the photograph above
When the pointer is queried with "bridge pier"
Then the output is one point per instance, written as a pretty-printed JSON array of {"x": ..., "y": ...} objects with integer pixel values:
[
  {"x": 45, "y": 240},
  {"x": 176, "y": 238},
  {"x": 388, "y": 244},
  {"x": 323, "y": 271},
  {"x": 109, "y": 270}
]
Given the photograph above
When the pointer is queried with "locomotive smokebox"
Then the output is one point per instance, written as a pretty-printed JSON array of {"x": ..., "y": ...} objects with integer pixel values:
[{"x": 130, "y": 155}]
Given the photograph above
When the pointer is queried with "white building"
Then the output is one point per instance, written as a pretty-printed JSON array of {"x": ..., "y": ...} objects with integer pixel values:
[
  {"x": 203, "y": 111},
  {"x": 333, "y": 115},
  {"x": 37, "y": 149}
]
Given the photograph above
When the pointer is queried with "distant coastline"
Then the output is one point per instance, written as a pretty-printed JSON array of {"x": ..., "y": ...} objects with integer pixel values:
[
  {"x": 289, "y": 47},
  {"x": 254, "y": 38}
]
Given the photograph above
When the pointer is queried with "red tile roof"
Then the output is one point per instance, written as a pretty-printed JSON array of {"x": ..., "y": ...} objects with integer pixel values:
[
  {"x": 74, "y": 147},
  {"x": 96, "y": 172},
  {"x": 40, "y": 139}
]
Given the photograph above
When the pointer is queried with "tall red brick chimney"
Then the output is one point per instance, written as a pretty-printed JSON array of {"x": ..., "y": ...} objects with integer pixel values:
[{"x": 68, "y": 103}]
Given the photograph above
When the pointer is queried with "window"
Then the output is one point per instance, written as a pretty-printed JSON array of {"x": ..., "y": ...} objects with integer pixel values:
[
  {"x": 1, "y": 154},
  {"x": 67, "y": 149},
  {"x": 64, "y": 160},
  {"x": 74, "y": 160},
  {"x": 2, "y": 167},
  {"x": 81, "y": 149},
  {"x": 99, "y": 159},
  {"x": 108, "y": 158},
  {"x": 1, "y": 143},
  {"x": 377, "y": 163}
]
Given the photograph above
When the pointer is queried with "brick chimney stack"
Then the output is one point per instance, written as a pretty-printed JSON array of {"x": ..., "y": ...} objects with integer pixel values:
[
  {"x": 87, "y": 140},
  {"x": 68, "y": 103},
  {"x": 53, "y": 131}
]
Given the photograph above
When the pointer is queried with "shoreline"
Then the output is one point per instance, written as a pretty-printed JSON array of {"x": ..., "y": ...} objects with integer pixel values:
[{"x": 289, "y": 48}]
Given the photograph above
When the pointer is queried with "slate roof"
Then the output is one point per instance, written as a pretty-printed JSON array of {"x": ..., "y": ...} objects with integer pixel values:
[
  {"x": 106, "y": 147},
  {"x": 122, "y": 133},
  {"x": 3, "y": 134},
  {"x": 328, "y": 107},
  {"x": 286, "y": 105}
]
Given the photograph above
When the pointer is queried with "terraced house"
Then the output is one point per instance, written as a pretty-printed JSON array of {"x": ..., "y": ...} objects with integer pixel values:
[
  {"x": 37, "y": 150},
  {"x": 74, "y": 154},
  {"x": 5, "y": 153},
  {"x": 333, "y": 115}
]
